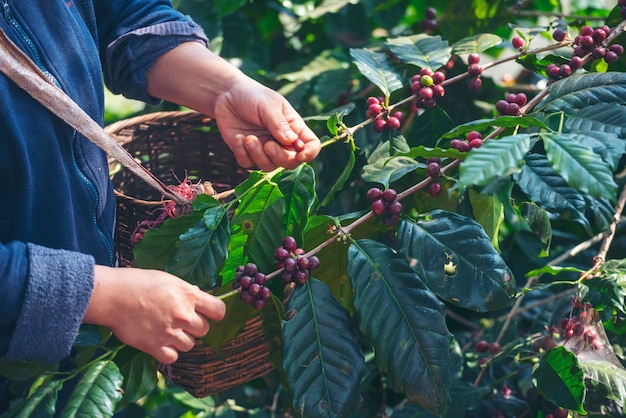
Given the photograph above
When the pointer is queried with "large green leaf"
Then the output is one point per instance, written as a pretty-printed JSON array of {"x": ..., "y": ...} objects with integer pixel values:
[
  {"x": 560, "y": 379},
  {"x": 267, "y": 236},
  {"x": 40, "y": 404},
  {"x": 496, "y": 158},
  {"x": 550, "y": 191},
  {"x": 340, "y": 181},
  {"x": 97, "y": 393},
  {"x": 608, "y": 378},
  {"x": 404, "y": 321},
  {"x": 318, "y": 66},
  {"x": 579, "y": 166},
  {"x": 606, "y": 292},
  {"x": 421, "y": 50},
  {"x": 583, "y": 90},
  {"x": 604, "y": 118},
  {"x": 157, "y": 247},
  {"x": 476, "y": 43},
  {"x": 201, "y": 252},
  {"x": 298, "y": 187},
  {"x": 378, "y": 68},
  {"x": 454, "y": 256},
  {"x": 488, "y": 211},
  {"x": 139, "y": 371},
  {"x": 386, "y": 171},
  {"x": 321, "y": 353}
]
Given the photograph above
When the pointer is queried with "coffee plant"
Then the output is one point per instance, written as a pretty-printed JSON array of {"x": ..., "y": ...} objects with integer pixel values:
[{"x": 456, "y": 250}]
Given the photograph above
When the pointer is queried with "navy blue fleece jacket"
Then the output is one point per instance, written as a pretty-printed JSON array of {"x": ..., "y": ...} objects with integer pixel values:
[{"x": 57, "y": 208}]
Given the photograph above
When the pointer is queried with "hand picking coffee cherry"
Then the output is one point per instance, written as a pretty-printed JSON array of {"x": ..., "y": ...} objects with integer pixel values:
[
  {"x": 297, "y": 269},
  {"x": 385, "y": 204},
  {"x": 251, "y": 281}
]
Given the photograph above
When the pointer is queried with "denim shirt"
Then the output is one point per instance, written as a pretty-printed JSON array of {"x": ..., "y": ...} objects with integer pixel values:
[{"x": 57, "y": 208}]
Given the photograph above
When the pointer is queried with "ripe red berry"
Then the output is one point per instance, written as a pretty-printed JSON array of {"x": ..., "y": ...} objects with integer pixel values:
[
  {"x": 575, "y": 63},
  {"x": 426, "y": 93},
  {"x": 265, "y": 292},
  {"x": 481, "y": 346},
  {"x": 379, "y": 208},
  {"x": 314, "y": 262},
  {"x": 374, "y": 110},
  {"x": 304, "y": 263},
  {"x": 559, "y": 35},
  {"x": 565, "y": 70},
  {"x": 438, "y": 90},
  {"x": 598, "y": 35},
  {"x": 552, "y": 70},
  {"x": 439, "y": 77},
  {"x": 473, "y": 58},
  {"x": 298, "y": 145},
  {"x": 281, "y": 254},
  {"x": 430, "y": 13},
  {"x": 476, "y": 143},
  {"x": 586, "y": 30},
  {"x": 372, "y": 100},
  {"x": 289, "y": 243},
  {"x": 475, "y": 84},
  {"x": 518, "y": 43},
  {"x": 494, "y": 347},
  {"x": 291, "y": 265},
  {"x": 520, "y": 99},
  {"x": 434, "y": 189},
  {"x": 393, "y": 123},
  {"x": 587, "y": 41},
  {"x": 301, "y": 276},
  {"x": 246, "y": 297},
  {"x": 475, "y": 69},
  {"x": 501, "y": 106},
  {"x": 617, "y": 48},
  {"x": 260, "y": 278},
  {"x": 512, "y": 109},
  {"x": 434, "y": 170},
  {"x": 463, "y": 146},
  {"x": 610, "y": 57},
  {"x": 258, "y": 303},
  {"x": 473, "y": 135},
  {"x": 399, "y": 115},
  {"x": 426, "y": 71},
  {"x": 598, "y": 52},
  {"x": 379, "y": 125},
  {"x": 245, "y": 282},
  {"x": 389, "y": 195},
  {"x": 374, "y": 194},
  {"x": 254, "y": 289},
  {"x": 298, "y": 251},
  {"x": 455, "y": 143},
  {"x": 250, "y": 269},
  {"x": 561, "y": 413},
  {"x": 394, "y": 208}
]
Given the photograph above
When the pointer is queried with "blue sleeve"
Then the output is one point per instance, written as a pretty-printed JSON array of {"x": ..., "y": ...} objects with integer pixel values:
[
  {"x": 48, "y": 294},
  {"x": 133, "y": 34}
]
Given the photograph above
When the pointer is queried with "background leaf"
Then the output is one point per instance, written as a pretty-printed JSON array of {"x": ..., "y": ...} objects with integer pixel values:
[
  {"x": 379, "y": 69},
  {"x": 477, "y": 277},
  {"x": 421, "y": 50},
  {"x": 476, "y": 43},
  {"x": 404, "y": 321},
  {"x": 298, "y": 187},
  {"x": 321, "y": 353}
]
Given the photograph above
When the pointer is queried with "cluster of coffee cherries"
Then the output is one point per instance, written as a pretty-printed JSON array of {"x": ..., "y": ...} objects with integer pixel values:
[
  {"x": 511, "y": 104},
  {"x": 297, "y": 268},
  {"x": 579, "y": 328},
  {"x": 385, "y": 204},
  {"x": 434, "y": 171},
  {"x": 427, "y": 87},
  {"x": 474, "y": 69},
  {"x": 251, "y": 281},
  {"x": 484, "y": 346},
  {"x": 474, "y": 140},
  {"x": 429, "y": 23},
  {"x": 376, "y": 107}
]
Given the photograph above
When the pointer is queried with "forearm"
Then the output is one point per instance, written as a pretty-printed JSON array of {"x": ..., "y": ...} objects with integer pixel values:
[{"x": 192, "y": 76}]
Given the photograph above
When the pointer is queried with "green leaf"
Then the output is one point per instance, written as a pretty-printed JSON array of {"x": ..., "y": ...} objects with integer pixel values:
[
  {"x": 606, "y": 292},
  {"x": 404, "y": 321},
  {"x": 321, "y": 353},
  {"x": 454, "y": 256},
  {"x": 579, "y": 166},
  {"x": 476, "y": 43},
  {"x": 386, "y": 171},
  {"x": 21, "y": 370},
  {"x": 426, "y": 152},
  {"x": 298, "y": 187},
  {"x": 601, "y": 118},
  {"x": 378, "y": 68},
  {"x": 201, "y": 252},
  {"x": 226, "y": 330},
  {"x": 428, "y": 126},
  {"x": 546, "y": 188},
  {"x": 157, "y": 246},
  {"x": 559, "y": 378},
  {"x": 139, "y": 371},
  {"x": 267, "y": 236},
  {"x": 97, "y": 393},
  {"x": 341, "y": 180},
  {"x": 497, "y": 157},
  {"x": 539, "y": 223},
  {"x": 608, "y": 378},
  {"x": 319, "y": 65},
  {"x": 423, "y": 51},
  {"x": 482, "y": 125},
  {"x": 552, "y": 270},
  {"x": 42, "y": 403},
  {"x": 489, "y": 213},
  {"x": 583, "y": 90}
]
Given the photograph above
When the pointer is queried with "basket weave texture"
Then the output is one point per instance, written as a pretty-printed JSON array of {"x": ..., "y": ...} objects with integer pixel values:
[{"x": 174, "y": 146}]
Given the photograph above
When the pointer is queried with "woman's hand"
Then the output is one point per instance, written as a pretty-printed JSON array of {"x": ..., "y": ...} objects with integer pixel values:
[{"x": 151, "y": 310}]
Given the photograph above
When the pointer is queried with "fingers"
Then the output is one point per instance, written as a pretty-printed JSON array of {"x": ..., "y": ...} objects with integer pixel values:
[{"x": 211, "y": 307}]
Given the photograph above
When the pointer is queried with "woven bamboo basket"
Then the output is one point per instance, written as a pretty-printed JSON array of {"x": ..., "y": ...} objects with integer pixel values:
[{"x": 174, "y": 146}]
